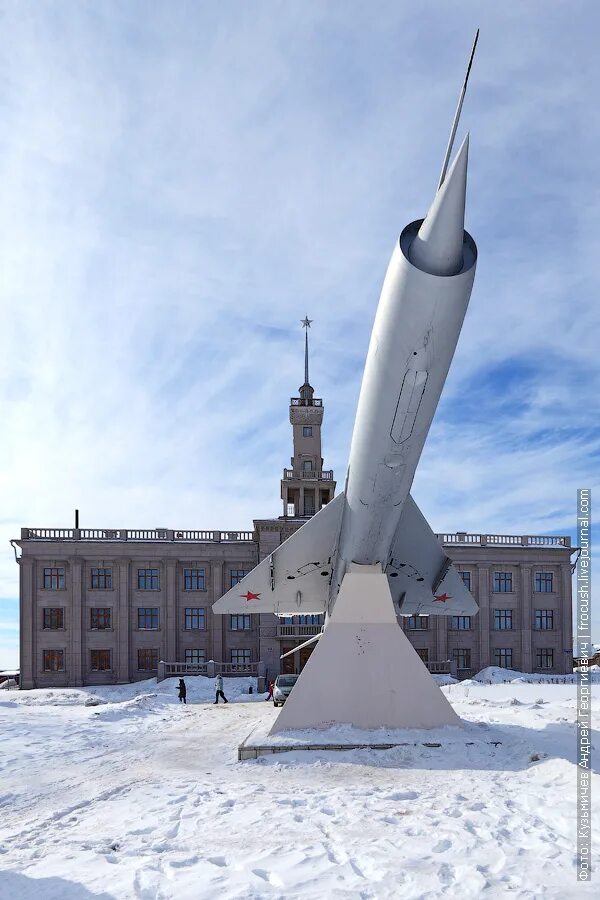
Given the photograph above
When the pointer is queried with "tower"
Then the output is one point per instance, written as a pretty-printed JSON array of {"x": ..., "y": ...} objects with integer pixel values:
[{"x": 306, "y": 487}]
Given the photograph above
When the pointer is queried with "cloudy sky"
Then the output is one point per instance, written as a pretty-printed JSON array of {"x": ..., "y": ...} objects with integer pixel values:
[{"x": 183, "y": 182}]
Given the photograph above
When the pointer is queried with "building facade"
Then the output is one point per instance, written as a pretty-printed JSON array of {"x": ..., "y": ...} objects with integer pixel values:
[{"x": 104, "y": 606}]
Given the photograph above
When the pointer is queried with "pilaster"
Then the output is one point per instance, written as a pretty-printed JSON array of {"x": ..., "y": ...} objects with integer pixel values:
[
  {"x": 565, "y": 619},
  {"x": 483, "y": 616},
  {"x": 27, "y": 639},
  {"x": 123, "y": 622},
  {"x": 441, "y": 638},
  {"x": 525, "y": 623},
  {"x": 218, "y": 575},
  {"x": 170, "y": 648},
  {"x": 76, "y": 663}
]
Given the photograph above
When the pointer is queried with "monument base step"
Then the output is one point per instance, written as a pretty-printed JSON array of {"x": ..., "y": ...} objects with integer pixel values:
[{"x": 260, "y": 743}]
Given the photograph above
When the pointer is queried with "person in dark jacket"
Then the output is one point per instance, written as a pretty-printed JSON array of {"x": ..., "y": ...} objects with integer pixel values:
[{"x": 182, "y": 691}]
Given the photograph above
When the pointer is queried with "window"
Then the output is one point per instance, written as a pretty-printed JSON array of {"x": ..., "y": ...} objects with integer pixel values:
[
  {"x": 544, "y": 619},
  {"x": 147, "y": 660},
  {"x": 148, "y": 618},
  {"x": 54, "y": 660},
  {"x": 100, "y": 660},
  {"x": 417, "y": 623},
  {"x": 194, "y": 580},
  {"x": 237, "y": 575},
  {"x": 424, "y": 654},
  {"x": 503, "y": 619},
  {"x": 307, "y": 465},
  {"x": 54, "y": 618},
  {"x": 239, "y": 623},
  {"x": 100, "y": 618},
  {"x": 460, "y": 623},
  {"x": 503, "y": 658},
  {"x": 543, "y": 582},
  {"x": 309, "y": 505},
  {"x": 54, "y": 578},
  {"x": 313, "y": 619},
  {"x": 241, "y": 657},
  {"x": 148, "y": 580},
  {"x": 503, "y": 582},
  {"x": 466, "y": 577},
  {"x": 102, "y": 579},
  {"x": 462, "y": 658},
  {"x": 544, "y": 659},
  {"x": 195, "y": 618},
  {"x": 307, "y": 431},
  {"x": 195, "y": 657}
]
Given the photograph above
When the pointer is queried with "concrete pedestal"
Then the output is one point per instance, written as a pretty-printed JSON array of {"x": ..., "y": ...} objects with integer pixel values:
[{"x": 364, "y": 671}]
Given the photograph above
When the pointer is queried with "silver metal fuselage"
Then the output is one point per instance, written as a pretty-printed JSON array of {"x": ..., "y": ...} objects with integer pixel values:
[{"x": 416, "y": 329}]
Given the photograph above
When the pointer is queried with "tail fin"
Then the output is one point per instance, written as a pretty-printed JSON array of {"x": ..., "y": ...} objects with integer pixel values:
[
  {"x": 422, "y": 578},
  {"x": 295, "y": 577}
]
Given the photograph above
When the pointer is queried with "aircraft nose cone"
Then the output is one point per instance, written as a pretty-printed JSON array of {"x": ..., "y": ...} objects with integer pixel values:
[{"x": 438, "y": 247}]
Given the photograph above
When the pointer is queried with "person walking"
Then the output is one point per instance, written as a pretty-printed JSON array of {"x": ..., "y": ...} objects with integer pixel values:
[
  {"x": 219, "y": 689},
  {"x": 182, "y": 691},
  {"x": 270, "y": 694}
]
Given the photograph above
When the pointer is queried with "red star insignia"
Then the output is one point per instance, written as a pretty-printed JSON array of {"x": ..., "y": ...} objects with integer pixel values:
[
  {"x": 250, "y": 596},
  {"x": 441, "y": 598}
]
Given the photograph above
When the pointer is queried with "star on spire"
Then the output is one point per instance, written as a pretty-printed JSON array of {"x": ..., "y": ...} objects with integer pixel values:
[{"x": 306, "y": 323}]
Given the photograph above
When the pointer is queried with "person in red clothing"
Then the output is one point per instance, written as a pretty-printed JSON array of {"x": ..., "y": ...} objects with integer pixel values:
[{"x": 270, "y": 694}]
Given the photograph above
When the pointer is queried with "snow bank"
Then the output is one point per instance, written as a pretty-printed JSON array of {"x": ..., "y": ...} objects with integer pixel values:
[
  {"x": 200, "y": 689},
  {"x": 496, "y": 675}
]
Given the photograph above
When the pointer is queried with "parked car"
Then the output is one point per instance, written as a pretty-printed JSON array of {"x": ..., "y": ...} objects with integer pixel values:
[{"x": 283, "y": 686}]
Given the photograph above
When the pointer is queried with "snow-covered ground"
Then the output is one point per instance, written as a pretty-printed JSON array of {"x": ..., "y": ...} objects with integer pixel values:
[{"x": 142, "y": 797}]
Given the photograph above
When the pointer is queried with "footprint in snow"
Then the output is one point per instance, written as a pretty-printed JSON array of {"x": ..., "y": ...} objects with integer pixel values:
[
  {"x": 442, "y": 846},
  {"x": 403, "y": 795},
  {"x": 447, "y": 874},
  {"x": 183, "y": 863},
  {"x": 290, "y": 801},
  {"x": 390, "y": 820},
  {"x": 269, "y": 877}
]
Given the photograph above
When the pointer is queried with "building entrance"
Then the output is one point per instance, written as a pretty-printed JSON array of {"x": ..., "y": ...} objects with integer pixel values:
[
  {"x": 304, "y": 654},
  {"x": 293, "y": 665},
  {"x": 288, "y": 664}
]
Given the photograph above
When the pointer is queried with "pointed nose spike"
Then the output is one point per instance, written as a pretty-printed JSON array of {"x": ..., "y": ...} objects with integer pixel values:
[{"x": 438, "y": 246}]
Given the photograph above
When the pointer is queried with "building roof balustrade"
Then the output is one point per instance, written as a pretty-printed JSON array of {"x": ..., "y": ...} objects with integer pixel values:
[
  {"x": 128, "y": 534},
  {"x": 505, "y": 540},
  {"x": 459, "y": 538}
]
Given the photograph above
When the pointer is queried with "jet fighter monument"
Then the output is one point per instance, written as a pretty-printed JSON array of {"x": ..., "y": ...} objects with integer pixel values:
[{"x": 369, "y": 557}]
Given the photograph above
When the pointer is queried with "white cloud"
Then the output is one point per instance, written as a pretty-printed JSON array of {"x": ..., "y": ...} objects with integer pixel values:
[{"x": 181, "y": 186}]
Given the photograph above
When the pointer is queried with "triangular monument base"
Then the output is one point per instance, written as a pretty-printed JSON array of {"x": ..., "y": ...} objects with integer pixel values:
[{"x": 364, "y": 670}]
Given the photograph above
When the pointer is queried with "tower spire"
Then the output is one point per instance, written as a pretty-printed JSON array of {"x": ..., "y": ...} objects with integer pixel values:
[
  {"x": 306, "y": 487},
  {"x": 306, "y": 323}
]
